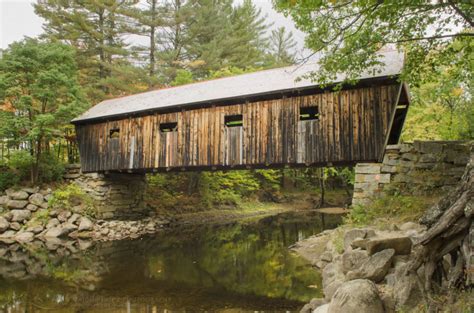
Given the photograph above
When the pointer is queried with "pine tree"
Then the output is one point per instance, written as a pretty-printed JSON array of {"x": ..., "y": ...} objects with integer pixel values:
[
  {"x": 282, "y": 46},
  {"x": 96, "y": 28}
]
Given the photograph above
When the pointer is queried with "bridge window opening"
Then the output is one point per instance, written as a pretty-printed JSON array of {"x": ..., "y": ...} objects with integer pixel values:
[
  {"x": 234, "y": 120},
  {"x": 309, "y": 113},
  {"x": 114, "y": 133},
  {"x": 169, "y": 127}
]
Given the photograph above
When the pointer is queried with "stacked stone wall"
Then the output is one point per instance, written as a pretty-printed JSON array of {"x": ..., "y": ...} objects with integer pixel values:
[
  {"x": 417, "y": 168},
  {"x": 117, "y": 195}
]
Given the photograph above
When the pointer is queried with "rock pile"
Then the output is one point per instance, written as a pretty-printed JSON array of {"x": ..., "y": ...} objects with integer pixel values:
[
  {"x": 369, "y": 275},
  {"x": 25, "y": 216}
]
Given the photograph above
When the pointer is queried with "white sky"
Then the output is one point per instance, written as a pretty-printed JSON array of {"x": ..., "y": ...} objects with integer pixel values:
[{"x": 18, "y": 19}]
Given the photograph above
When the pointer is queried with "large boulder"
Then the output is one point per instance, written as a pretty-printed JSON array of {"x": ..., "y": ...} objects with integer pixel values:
[
  {"x": 16, "y": 204},
  {"x": 402, "y": 245},
  {"x": 20, "y": 215},
  {"x": 375, "y": 268},
  {"x": 352, "y": 260},
  {"x": 4, "y": 225},
  {"x": 356, "y": 296},
  {"x": 36, "y": 199}
]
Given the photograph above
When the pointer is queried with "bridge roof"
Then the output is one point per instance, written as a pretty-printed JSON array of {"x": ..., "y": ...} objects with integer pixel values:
[{"x": 260, "y": 83}]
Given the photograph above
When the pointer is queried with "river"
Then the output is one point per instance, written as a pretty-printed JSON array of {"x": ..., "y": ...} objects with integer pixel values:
[{"x": 237, "y": 267}]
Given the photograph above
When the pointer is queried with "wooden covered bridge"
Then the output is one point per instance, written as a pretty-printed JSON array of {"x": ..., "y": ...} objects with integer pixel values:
[{"x": 270, "y": 118}]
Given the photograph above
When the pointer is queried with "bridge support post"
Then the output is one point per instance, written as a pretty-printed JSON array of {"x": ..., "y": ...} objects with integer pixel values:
[{"x": 117, "y": 195}]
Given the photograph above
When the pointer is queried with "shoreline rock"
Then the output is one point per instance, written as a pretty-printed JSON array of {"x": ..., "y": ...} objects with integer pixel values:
[{"x": 370, "y": 266}]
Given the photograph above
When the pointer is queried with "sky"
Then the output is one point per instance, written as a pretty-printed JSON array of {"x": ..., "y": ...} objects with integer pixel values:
[{"x": 18, "y": 19}]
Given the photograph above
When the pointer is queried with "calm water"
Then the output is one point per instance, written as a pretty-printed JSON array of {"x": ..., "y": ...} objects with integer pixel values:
[{"x": 231, "y": 268}]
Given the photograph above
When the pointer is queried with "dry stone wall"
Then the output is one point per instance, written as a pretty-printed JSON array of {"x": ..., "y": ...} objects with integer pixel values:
[
  {"x": 117, "y": 195},
  {"x": 417, "y": 168}
]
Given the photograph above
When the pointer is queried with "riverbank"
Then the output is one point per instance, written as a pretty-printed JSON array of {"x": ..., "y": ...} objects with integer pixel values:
[
  {"x": 28, "y": 214},
  {"x": 367, "y": 269}
]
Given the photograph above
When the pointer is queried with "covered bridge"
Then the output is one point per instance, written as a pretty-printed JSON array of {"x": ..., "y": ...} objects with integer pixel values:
[{"x": 270, "y": 118}]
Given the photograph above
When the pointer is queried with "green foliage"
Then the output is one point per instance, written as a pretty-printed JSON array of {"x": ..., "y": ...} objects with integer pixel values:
[
  {"x": 7, "y": 178},
  {"x": 21, "y": 162},
  {"x": 182, "y": 77},
  {"x": 40, "y": 86},
  {"x": 227, "y": 188},
  {"x": 69, "y": 196},
  {"x": 393, "y": 207},
  {"x": 348, "y": 35}
]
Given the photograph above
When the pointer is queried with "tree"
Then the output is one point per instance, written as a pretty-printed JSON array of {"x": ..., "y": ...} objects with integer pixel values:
[
  {"x": 282, "y": 46},
  {"x": 39, "y": 87},
  {"x": 96, "y": 29},
  {"x": 348, "y": 34}
]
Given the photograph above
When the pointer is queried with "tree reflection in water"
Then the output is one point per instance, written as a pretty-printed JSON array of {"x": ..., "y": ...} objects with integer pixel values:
[{"x": 244, "y": 267}]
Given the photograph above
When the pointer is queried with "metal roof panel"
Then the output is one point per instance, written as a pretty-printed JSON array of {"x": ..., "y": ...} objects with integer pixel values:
[{"x": 244, "y": 85}]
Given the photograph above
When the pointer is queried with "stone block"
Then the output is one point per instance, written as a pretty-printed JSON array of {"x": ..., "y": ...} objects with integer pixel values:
[
  {"x": 409, "y": 156},
  {"x": 433, "y": 147},
  {"x": 406, "y": 147},
  {"x": 368, "y": 168},
  {"x": 388, "y": 169}
]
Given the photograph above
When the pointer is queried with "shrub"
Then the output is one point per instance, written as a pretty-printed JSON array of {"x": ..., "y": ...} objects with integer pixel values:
[
  {"x": 7, "y": 178},
  {"x": 21, "y": 162},
  {"x": 50, "y": 168},
  {"x": 70, "y": 196}
]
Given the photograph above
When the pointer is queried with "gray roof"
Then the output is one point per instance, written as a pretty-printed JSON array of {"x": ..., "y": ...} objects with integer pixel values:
[{"x": 245, "y": 85}]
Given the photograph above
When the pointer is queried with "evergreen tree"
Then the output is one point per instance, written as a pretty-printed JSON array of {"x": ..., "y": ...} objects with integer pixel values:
[
  {"x": 282, "y": 45},
  {"x": 96, "y": 28}
]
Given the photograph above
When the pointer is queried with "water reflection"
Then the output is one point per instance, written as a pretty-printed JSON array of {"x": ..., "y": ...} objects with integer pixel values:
[{"x": 231, "y": 268}]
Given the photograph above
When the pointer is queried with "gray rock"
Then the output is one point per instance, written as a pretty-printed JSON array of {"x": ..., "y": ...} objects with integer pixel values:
[
  {"x": 4, "y": 224},
  {"x": 31, "y": 207},
  {"x": 36, "y": 199},
  {"x": 8, "y": 216},
  {"x": 35, "y": 229},
  {"x": 357, "y": 233},
  {"x": 322, "y": 309},
  {"x": 17, "y": 195},
  {"x": 352, "y": 260},
  {"x": 331, "y": 273},
  {"x": 55, "y": 232},
  {"x": 326, "y": 256},
  {"x": 401, "y": 245},
  {"x": 85, "y": 224},
  {"x": 358, "y": 295},
  {"x": 31, "y": 190},
  {"x": 64, "y": 215},
  {"x": 375, "y": 268},
  {"x": 15, "y": 226},
  {"x": 360, "y": 243},
  {"x": 8, "y": 234},
  {"x": 406, "y": 292},
  {"x": 52, "y": 223},
  {"x": 4, "y": 200},
  {"x": 20, "y": 215},
  {"x": 331, "y": 289},
  {"x": 69, "y": 227},
  {"x": 74, "y": 218},
  {"x": 16, "y": 204},
  {"x": 25, "y": 236},
  {"x": 313, "y": 304}
]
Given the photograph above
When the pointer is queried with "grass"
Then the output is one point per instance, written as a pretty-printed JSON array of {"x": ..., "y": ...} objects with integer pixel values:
[{"x": 394, "y": 208}]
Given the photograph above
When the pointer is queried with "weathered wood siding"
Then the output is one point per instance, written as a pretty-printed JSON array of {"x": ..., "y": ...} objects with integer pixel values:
[{"x": 352, "y": 127}]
